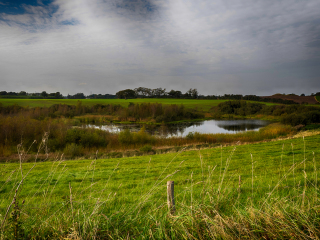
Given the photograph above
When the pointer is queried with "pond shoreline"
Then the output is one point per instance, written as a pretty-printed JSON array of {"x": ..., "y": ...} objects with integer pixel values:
[
  {"x": 165, "y": 149},
  {"x": 83, "y": 119},
  {"x": 183, "y": 129}
]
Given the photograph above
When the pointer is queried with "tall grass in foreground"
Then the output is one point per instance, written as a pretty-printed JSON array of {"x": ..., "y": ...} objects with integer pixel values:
[{"x": 212, "y": 201}]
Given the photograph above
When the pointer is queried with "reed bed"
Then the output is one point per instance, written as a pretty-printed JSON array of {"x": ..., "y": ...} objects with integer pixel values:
[
  {"x": 265, "y": 191},
  {"x": 78, "y": 142}
]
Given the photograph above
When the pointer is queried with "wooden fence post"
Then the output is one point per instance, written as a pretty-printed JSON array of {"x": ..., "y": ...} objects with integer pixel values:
[{"x": 170, "y": 197}]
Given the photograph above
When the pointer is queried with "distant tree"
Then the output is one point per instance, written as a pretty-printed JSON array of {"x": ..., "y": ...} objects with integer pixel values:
[
  {"x": 3, "y": 93},
  {"x": 158, "y": 92},
  {"x": 192, "y": 93},
  {"x": 142, "y": 92},
  {"x": 232, "y": 96},
  {"x": 101, "y": 96},
  {"x": 252, "y": 98},
  {"x": 76, "y": 96},
  {"x": 44, "y": 94},
  {"x": 79, "y": 96},
  {"x": 125, "y": 94},
  {"x": 175, "y": 94},
  {"x": 22, "y": 93},
  {"x": 58, "y": 95},
  {"x": 302, "y": 95}
]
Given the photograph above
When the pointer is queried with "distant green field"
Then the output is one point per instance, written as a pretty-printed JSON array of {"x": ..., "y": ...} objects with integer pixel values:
[
  {"x": 189, "y": 103},
  {"x": 318, "y": 98}
]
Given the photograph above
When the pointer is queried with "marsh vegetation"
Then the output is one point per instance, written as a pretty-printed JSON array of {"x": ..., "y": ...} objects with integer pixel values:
[{"x": 23, "y": 125}]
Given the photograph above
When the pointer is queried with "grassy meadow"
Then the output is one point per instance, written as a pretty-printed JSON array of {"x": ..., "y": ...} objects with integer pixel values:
[
  {"x": 276, "y": 197},
  {"x": 188, "y": 103}
]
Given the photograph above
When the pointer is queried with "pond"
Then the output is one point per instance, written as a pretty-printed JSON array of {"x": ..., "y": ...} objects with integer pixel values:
[{"x": 182, "y": 129}]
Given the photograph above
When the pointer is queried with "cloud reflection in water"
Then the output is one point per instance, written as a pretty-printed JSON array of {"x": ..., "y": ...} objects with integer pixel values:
[{"x": 182, "y": 129}]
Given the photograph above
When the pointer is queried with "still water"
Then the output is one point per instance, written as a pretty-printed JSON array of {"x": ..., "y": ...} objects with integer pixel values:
[{"x": 182, "y": 129}]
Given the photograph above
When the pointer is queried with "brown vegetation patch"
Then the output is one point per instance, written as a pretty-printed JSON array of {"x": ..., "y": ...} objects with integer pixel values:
[{"x": 295, "y": 98}]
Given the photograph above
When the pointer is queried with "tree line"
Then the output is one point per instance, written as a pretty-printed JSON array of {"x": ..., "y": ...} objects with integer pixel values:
[
  {"x": 192, "y": 93},
  {"x": 56, "y": 95},
  {"x": 23, "y": 94},
  {"x": 142, "y": 92}
]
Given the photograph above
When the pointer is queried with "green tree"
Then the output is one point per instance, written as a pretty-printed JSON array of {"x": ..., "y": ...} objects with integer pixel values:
[
  {"x": 44, "y": 94},
  {"x": 125, "y": 94}
]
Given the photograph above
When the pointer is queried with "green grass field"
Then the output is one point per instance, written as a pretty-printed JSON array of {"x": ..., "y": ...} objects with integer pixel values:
[
  {"x": 127, "y": 196},
  {"x": 189, "y": 103}
]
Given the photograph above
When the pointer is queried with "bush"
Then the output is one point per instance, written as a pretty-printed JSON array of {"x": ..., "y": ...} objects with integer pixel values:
[
  {"x": 241, "y": 108},
  {"x": 142, "y": 137},
  {"x": 312, "y": 127},
  {"x": 73, "y": 150},
  {"x": 125, "y": 137},
  {"x": 295, "y": 119},
  {"x": 88, "y": 137},
  {"x": 146, "y": 148},
  {"x": 190, "y": 135}
]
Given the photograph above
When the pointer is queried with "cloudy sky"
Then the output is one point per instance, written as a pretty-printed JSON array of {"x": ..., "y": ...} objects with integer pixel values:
[{"x": 257, "y": 47}]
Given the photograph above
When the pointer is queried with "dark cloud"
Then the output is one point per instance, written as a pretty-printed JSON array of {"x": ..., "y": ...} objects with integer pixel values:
[
  {"x": 222, "y": 46},
  {"x": 314, "y": 44}
]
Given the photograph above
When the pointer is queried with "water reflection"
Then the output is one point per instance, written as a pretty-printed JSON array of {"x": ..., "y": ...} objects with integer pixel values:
[
  {"x": 182, "y": 129},
  {"x": 241, "y": 125}
]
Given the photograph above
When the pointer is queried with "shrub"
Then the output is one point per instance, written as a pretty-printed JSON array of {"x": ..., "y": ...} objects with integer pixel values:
[
  {"x": 142, "y": 137},
  {"x": 146, "y": 148},
  {"x": 312, "y": 127},
  {"x": 125, "y": 137},
  {"x": 88, "y": 137},
  {"x": 73, "y": 150},
  {"x": 190, "y": 135},
  {"x": 241, "y": 108}
]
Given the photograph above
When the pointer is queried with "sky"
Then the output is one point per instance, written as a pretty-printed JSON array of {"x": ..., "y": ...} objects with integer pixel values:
[{"x": 103, "y": 46}]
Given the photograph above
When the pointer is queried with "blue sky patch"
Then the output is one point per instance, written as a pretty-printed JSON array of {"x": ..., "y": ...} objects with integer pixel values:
[
  {"x": 70, "y": 22},
  {"x": 17, "y": 6}
]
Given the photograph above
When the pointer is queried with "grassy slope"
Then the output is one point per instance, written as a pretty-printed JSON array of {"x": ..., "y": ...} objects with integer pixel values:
[
  {"x": 318, "y": 98},
  {"x": 191, "y": 103},
  {"x": 131, "y": 177},
  {"x": 129, "y": 194}
]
